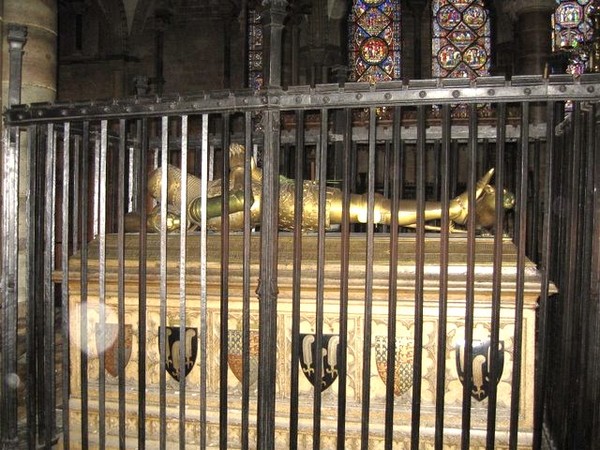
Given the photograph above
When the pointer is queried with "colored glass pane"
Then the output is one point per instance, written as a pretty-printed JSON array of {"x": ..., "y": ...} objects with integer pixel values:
[
  {"x": 255, "y": 42},
  {"x": 572, "y": 24},
  {"x": 461, "y": 43},
  {"x": 374, "y": 40},
  {"x": 572, "y": 27}
]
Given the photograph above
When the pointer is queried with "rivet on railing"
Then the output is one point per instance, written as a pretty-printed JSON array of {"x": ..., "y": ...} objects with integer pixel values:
[
  {"x": 298, "y": 99},
  {"x": 326, "y": 99},
  {"x": 422, "y": 94},
  {"x": 245, "y": 101},
  {"x": 40, "y": 113},
  {"x": 359, "y": 96},
  {"x": 388, "y": 96},
  {"x": 491, "y": 91},
  {"x": 527, "y": 91},
  {"x": 265, "y": 100},
  {"x": 590, "y": 89},
  {"x": 456, "y": 93},
  {"x": 562, "y": 88},
  {"x": 275, "y": 100}
]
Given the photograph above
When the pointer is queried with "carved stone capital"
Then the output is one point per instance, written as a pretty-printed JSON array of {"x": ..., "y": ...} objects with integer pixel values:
[{"x": 17, "y": 36}]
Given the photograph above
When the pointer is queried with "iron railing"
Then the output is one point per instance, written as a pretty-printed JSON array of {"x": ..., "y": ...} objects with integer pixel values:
[{"x": 72, "y": 269}]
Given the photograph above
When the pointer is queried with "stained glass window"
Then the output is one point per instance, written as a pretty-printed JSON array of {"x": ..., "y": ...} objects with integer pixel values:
[
  {"x": 461, "y": 39},
  {"x": 572, "y": 26},
  {"x": 255, "y": 43},
  {"x": 374, "y": 40}
]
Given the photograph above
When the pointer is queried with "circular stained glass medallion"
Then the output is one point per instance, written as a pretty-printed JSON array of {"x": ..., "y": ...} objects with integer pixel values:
[
  {"x": 475, "y": 57},
  {"x": 475, "y": 16},
  {"x": 374, "y": 50},
  {"x": 449, "y": 57},
  {"x": 448, "y": 17}
]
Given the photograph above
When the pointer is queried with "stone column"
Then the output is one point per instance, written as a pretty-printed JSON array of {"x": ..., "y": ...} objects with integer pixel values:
[{"x": 532, "y": 34}]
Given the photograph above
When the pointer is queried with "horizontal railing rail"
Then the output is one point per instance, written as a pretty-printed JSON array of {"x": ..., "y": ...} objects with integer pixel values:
[{"x": 351, "y": 95}]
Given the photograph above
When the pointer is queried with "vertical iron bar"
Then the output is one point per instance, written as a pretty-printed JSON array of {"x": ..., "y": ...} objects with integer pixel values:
[
  {"x": 368, "y": 309},
  {"x": 96, "y": 184},
  {"x": 9, "y": 285},
  {"x": 162, "y": 335},
  {"x": 567, "y": 241},
  {"x": 224, "y": 310},
  {"x": 101, "y": 340},
  {"x": 440, "y": 389},
  {"x": 419, "y": 278},
  {"x": 75, "y": 209},
  {"x": 83, "y": 332},
  {"x": 470, "y": 289},
  {"x": 246, "y": 281},
  {"x": 521, "y": 231},
  {"x": 66, "y": 176},
  {"x": 121, "y": 280},
  {"x": 497, "y": 274},
  {"x": 573, "y": 288},
  {"x": 386, "y": 176},
  {"x": 347, "y": 184},
  {"x": 49, "y": 312},
  {"x": 182, "y": 281},
  {"x": 546, "y": 257},
  {"x": 142, "y": 158},
  {"x": 322, "y": 180},
  {"x": 203, "y": 280},
  {"x": 267, "y": 289},
  {"x": 297, "y": 278},
  {"x": 594, "y": 335},
  {"x": 586, "y": 306},
  {"x": 534, "y": 204},
  {"x": 35, "y": 250},
  {"x": 437, "y": 154},
  {"x": 395, "y": 165}
]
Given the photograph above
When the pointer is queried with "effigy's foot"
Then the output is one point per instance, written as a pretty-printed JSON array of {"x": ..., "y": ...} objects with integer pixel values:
[{"x": 459, "y": 206}]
